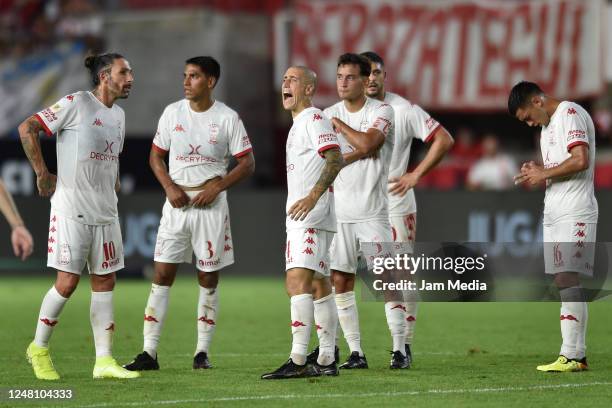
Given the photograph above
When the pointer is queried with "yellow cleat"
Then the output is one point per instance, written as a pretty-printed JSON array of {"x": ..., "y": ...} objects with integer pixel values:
[
  {"x": 107, "y": 367},
  {"x": 562, "y": 365},
  {"x": 41, "y": 362}
]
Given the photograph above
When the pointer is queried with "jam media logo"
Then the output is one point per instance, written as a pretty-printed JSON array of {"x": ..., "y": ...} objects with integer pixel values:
[
  {"x": 179, "y": 128},
  {"x": 194, "y": 149},
  {"x": 213, "y": 133}
]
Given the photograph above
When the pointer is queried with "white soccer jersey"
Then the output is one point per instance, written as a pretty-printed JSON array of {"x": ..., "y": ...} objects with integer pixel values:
[
  {"x": 410, "y": 122},
  {"x": 311, "y": 134},
  {"x": 200, "y": 143},
  {"x": 89, "y": 140},
  {"x": 569, "y": 198},
  {"x": 360, "y": 188}
]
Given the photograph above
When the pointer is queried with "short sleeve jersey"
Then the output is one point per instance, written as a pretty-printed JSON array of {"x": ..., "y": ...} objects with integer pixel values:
[
  {"x": 90, "y": 138},
  {"x": 572, "y": 198},
  {"x": 200, "y": 143},
  {"x": 360, "y": 189},
  {"x": 311, "y": 134},
  {"x": 410, "y": 122}
]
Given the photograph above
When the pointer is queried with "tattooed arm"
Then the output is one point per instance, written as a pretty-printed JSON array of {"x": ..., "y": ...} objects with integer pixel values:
[
  {"x": 333, "y": 163},
  {"x": 28, "y": 133}
]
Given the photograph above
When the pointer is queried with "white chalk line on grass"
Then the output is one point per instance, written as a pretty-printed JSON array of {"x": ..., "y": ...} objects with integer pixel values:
[{"x": 352, "y": 395}]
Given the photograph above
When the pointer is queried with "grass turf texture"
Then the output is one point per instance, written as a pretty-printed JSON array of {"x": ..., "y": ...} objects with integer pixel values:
[{"x": 478, "y": 354}]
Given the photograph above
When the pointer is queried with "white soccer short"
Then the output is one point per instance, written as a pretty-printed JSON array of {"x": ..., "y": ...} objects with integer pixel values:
[
  {"x": 403, "y": 228},
  {"x": 347, "y": 246},
  {"x": 71, "y": 245},
  {"x": 204, "y": 232},
  {"x": 569, "y": 247},
  {"x": 308, "y": 248}
]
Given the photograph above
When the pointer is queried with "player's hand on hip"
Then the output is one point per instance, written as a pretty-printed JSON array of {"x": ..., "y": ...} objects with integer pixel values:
[
  {"x": 46, "y": 184},
  {"x": 22, "y": 241},
  {"x": 401, "y": 185},
  {"x": 300, "y": 209},
  {"x": 177, "y": 197}
]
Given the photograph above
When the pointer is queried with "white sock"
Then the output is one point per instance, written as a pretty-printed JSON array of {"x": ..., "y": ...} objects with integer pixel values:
[
  {"x": 302, "y": 310},
  {"x": 326, "y": 319},
  {"x": 411, "y": 313},
  {"x": 571, "y": 320},
  {"x": 50, "y": 309},
  {"x": 154, "y": 315},
  {"x": 338, "y": 328},
  {"x": 208, "y": 307},
  {"x": 102, "y": 324},
  {"x": 581, "y": 340},
  {"x": 349, "y": 320},
  {"x": 397, "y": 325}
]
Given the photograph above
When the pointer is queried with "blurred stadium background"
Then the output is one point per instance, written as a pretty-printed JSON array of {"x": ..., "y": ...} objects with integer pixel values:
[{"x": 457, "y": 59}]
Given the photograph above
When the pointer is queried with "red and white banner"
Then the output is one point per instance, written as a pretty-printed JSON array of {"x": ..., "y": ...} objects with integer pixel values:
[{"x": 457, "y": 55}]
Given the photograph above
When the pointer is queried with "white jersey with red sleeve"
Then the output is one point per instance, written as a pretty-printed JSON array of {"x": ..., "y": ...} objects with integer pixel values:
[
  {"x": 200, "y": 143},
  {"x": 411, "y": 122},
  {"x": 89, "y": 140},
  {"x": 311, "y": 134},
  {"x": 569, "y": 198},
  {"x": 360, "y": 188}
]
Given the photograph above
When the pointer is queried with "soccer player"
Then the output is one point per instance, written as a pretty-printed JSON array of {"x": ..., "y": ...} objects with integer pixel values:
[
  {"x": 22, "y": 242},
  {"x": 567, "y": 143},
  {"x": 411, "y": 122},
  {"x": 365, "y": 128},
  {"x": 84, "y": 224},
  {"x": 198, "y": 134},
  {"x": 313, "y": 161}
]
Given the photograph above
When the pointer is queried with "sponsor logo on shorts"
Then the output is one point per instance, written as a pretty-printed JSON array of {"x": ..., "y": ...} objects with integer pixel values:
[
  {"x": 65, "y": 255},
  {"x": 110, "y": 264},
  {"x": 557, "y": 256},
  {"x": 212, "y": 262}
]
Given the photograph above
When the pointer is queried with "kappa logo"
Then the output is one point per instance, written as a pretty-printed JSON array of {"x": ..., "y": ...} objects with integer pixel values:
[
  {"x": 149, "y": 318},
  {"x": 297, "y": 323},
  {"x": 308, "y": 251},
  {"x": 227, "y": 248},
  {"x": 399, "y": 306},
  {"x": 309, "y": 240},
  {"x": 111, "y": 327},
  {"x": 578, "y": 255},
  {"x": 580, "y": 244},
  {"x": 70, "y": 98},
  {"x": 179, "y": 128},
  {"x": 194, "y": 149},
  {"x": 206, "y": 320},
  {"x": 49, "y": 322},
  {"x": 410, "y": 318},
  {"x": 571, "y": 111},
  {"x": 316, "y": 117},
  {"x": 311, "y": 231},
  {"x": 568, "y": 317},
  {"x": 97, "y": 122},
  {"x": 580, "y": 233},
  {"x": 109, "y": 147},
  {"x": 319, "y": 327},
  {"x": 51, "y": 240}
]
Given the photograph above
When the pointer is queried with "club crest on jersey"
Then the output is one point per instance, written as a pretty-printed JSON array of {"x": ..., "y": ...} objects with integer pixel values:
[{"x": 213, "y": 133}]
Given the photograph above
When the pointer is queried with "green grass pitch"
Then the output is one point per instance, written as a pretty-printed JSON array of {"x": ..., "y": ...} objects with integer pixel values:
[{"x": 471, "y": 354}]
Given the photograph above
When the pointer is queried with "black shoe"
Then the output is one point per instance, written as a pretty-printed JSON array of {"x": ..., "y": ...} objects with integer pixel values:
[
  {"x": 143, "y": 362},
  {"x": 408, "y": 353},
  {"x": 331, "y": 369},
  {"x": 291, "y": 370},
  {"x": 314, "y": 355},
  {"x": 355, "y": 361},
  {"x": 201, "y": 361},
  {"x": 398, "y": 360}
]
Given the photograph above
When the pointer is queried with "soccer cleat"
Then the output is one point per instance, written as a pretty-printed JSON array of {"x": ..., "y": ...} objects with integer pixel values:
[
  {"x": 314, "y": 355},
  {"x": 398, "y": 360},
  {"x": 331, "y": 370},
  {"x": 561, "y": 365},
  {"x": 355, "y": 361},
  {"x": 201, "y": 361},
  {"x": 41, "y": 362},
  {"x": 107, "y": 367},
  {"x": 291, "y": 370},
  {"x": 582, "y": 363},
  {"x": 143, "y": 362},
  {"x": 408, "y": 353}
]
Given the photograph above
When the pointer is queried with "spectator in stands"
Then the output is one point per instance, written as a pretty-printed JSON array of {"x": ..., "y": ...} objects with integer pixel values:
[{"x": 494, "y": 171}]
